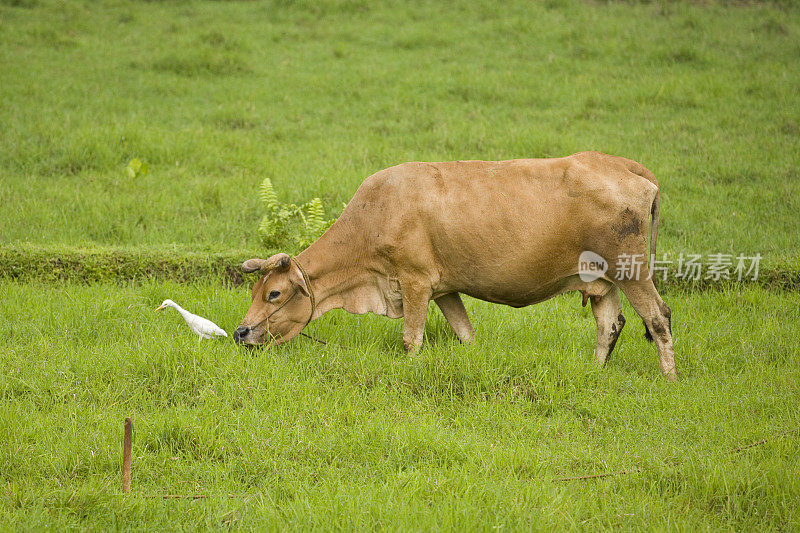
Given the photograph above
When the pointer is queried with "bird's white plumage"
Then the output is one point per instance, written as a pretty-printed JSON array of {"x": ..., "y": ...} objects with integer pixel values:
[{"x": 202, "y": 327}]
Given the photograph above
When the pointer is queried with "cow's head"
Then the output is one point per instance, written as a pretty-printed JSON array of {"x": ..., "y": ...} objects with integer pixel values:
[{"x": 281, "y": 305}]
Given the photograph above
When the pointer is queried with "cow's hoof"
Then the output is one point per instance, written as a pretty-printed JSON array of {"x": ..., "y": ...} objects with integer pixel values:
[{"x": 411, "y": 348}]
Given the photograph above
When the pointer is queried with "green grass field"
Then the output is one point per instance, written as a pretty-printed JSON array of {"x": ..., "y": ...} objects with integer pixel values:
[
  {"x": 215, "y": 96},
  {"x": 463, "y": 437}
]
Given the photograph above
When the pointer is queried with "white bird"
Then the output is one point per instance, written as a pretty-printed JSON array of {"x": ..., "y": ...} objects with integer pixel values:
[{"x": 202, "y": 327}]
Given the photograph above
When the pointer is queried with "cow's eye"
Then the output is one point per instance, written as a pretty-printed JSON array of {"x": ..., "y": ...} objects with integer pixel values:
[{"x": 274, "y": 294}]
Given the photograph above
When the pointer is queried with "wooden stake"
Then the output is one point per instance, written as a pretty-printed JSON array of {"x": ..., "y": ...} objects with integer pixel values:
[{"x": 126, "y": 456}]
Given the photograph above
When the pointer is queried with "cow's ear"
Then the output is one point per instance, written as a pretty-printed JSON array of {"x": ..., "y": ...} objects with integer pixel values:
[
  {"x": 296, "y": 277},
  {"x": 253, "y": 265}
]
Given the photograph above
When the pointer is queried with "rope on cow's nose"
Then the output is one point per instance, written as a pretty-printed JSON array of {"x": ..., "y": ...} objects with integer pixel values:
[{"x": 307, "y": 281}]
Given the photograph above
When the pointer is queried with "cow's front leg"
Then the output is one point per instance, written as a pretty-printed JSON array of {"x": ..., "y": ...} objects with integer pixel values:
[{"x": 415, "y": 311}]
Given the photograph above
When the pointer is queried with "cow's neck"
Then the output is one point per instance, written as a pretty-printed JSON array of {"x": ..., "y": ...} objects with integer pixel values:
[{"x": 336, "y": 271}]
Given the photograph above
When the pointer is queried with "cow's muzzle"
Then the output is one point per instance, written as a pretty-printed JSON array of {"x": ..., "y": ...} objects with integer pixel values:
[{"x": 241, "y": 334}]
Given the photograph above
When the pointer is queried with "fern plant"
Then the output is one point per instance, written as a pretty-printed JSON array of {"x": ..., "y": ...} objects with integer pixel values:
[{"x": 289, "y": 226}]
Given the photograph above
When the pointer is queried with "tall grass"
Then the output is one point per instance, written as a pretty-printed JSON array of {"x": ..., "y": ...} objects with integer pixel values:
[{"x": 462, "y": 437}]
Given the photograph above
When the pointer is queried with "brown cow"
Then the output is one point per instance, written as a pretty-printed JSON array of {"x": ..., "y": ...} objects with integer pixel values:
[{"x": 510, "y": 232}]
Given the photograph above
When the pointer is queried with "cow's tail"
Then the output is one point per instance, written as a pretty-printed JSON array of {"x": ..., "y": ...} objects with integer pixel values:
[{"x": 654, "y": 210}]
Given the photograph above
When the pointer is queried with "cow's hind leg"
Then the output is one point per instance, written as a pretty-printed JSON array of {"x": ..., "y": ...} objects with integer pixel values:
[
  {"x": 415, "y": 312},
  {"x": 608, "y": 315},
  {"x": 645, "y": 299},
  {"x": 453, "y": 310}
]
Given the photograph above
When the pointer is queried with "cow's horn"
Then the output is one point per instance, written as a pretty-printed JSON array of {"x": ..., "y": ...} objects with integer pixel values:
[
  {"x": 252, "y": 265},
  {"x": 279, "y": 262}
]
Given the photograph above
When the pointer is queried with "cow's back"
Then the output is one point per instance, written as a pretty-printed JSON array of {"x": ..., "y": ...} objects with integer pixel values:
[{"x": 485, "y": 227}]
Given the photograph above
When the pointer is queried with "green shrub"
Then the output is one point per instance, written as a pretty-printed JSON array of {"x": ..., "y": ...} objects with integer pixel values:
[{"x": 289, "y": 226}]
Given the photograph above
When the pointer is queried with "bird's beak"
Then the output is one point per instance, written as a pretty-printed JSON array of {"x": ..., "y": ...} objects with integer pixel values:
[{"x": 160, "y": 307}]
